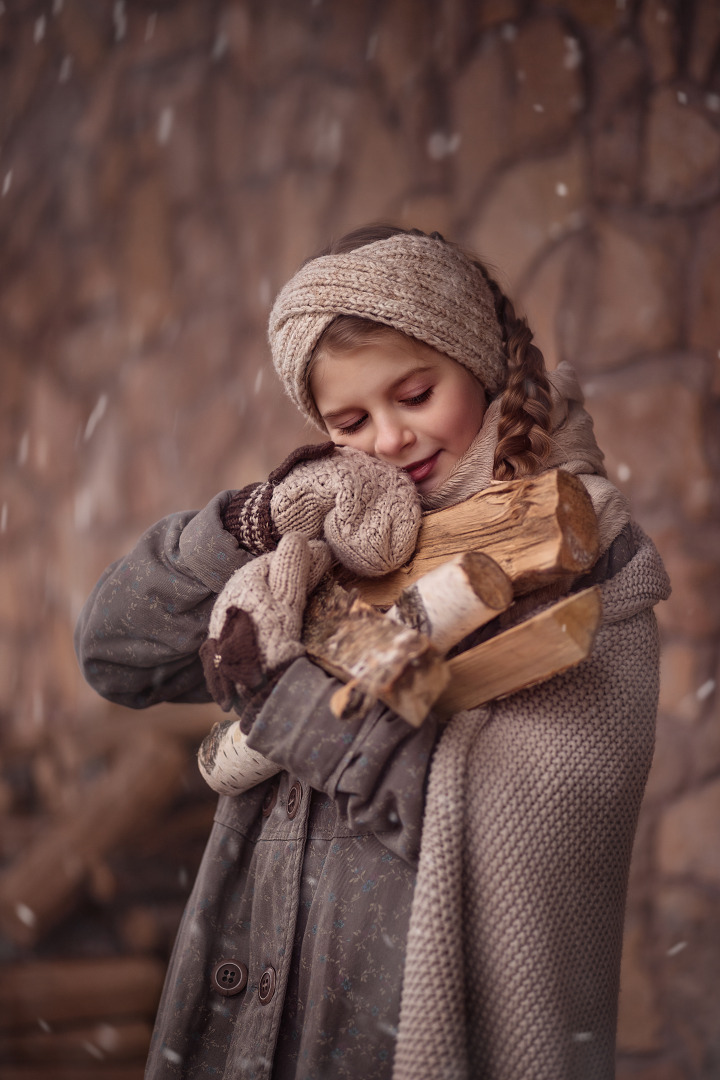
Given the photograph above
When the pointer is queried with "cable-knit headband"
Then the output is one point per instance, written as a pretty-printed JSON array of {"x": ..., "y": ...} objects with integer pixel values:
[{"x": 418, "y": 285}]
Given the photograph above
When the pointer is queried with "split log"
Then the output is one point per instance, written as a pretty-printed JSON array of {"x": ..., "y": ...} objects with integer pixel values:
[
  {"x": 40, "y": 886},
  {"x": 111, "y": 1041},
  {"x": 375, "y": 657},
  {"x": 540, "y": 530},
  {"x": 528, "y": 654},
  {"x": 64, "y": 991}
]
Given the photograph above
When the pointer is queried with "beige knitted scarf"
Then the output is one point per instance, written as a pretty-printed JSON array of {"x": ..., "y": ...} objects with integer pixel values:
[{"x": 514, "y": 945}]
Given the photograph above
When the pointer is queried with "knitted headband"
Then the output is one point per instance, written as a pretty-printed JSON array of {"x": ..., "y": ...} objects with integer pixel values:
[{"x": 418, "y": 285}]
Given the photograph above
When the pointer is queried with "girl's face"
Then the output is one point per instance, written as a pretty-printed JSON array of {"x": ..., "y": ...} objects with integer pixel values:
[{"x": 400, "y": 401}]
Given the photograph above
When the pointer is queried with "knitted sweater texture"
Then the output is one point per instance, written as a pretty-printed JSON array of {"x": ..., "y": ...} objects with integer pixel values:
[{"x": 513, "y": 953}]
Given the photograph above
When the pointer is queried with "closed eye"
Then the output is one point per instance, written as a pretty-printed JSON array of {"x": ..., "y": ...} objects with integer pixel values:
[
  {"x": 352, "y": 428},
  {"x": 419, "y": 399}
]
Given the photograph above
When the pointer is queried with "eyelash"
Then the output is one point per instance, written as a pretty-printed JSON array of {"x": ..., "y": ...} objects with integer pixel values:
[{"x": 418, "y": 399}]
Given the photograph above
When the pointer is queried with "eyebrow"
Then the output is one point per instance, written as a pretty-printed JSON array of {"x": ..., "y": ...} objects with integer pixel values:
[{"x": 420, "y": 370}]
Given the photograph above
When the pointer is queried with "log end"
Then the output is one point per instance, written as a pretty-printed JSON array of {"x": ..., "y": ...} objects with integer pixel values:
[{"x": 578, "y": 524}]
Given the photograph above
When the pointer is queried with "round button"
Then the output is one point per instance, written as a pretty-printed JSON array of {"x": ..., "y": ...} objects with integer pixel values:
[
  {"x": 269, "y": 800},
  {"x": 229, "y": 978},
  {"x": 267, "y": 986},
  {"x": 294, "y": 797}
]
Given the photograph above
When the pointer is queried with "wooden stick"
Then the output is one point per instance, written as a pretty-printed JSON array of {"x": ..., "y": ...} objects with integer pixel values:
[
  {"x": 539, "y": 530},
  {"x": 375, "y": 657},
  {"x": 528, "y": 654},
  {"x": 63, "y": 991}
]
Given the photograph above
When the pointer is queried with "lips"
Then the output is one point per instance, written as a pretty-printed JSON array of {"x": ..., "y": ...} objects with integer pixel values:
[{"x": 420, "y": 470}]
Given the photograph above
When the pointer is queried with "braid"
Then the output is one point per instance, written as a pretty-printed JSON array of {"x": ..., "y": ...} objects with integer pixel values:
[{"x": 524, "y": 440}]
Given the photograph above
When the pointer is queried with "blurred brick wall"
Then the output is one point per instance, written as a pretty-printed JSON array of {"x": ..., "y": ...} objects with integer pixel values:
[{"x": 165, "y": 166}]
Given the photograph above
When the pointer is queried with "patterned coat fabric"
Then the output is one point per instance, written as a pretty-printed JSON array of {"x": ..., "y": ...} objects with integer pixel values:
[
  {"x": 307, "y": 881},
  {"x": 320, "y": 899}
]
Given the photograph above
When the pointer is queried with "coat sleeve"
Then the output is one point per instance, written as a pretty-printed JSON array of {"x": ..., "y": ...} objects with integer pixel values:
[
  {"x": 138, "y": 635},
  {"x": 374, "y": 767}
]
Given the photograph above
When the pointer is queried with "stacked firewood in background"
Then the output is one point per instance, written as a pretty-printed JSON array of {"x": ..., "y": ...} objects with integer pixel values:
[{"x": 102, "y": 829}]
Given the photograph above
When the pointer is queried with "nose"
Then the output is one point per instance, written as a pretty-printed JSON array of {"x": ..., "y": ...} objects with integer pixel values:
[{"x": 392, "y": 437}]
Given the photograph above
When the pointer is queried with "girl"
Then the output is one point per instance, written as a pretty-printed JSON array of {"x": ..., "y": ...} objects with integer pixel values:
[{"x": 394, "y": 902}]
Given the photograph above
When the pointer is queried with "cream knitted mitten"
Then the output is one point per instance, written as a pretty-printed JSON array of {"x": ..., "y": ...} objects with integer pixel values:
[
  {"x": 256, "y": 621},
  {"x": 367, "y": 510}
]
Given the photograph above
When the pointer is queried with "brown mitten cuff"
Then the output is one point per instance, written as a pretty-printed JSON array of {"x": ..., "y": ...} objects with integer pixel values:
[{"x": 247, "y": 515}]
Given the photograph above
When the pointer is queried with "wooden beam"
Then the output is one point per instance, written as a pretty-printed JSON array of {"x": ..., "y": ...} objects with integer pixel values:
[
  {"x": 108, "y": 1041},
  {"x": 72, "y": 991},
  {"x": 532, "y": 652}
]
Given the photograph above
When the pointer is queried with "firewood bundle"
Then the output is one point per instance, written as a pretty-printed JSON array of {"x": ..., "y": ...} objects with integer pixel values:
[
  {"x": 502, "y": 550},
  {"x": 515, "y": 547}
]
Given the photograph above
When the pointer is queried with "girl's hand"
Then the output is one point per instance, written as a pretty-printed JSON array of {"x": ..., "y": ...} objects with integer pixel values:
[
  {"x": 256, "y": 622},
  {"x": 368, "y": 511}
]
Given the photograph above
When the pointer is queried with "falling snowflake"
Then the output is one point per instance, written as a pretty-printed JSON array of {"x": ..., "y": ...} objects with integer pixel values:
[
  {"x": 65, "y": 69},
  {"x": 561, "y": 189},
  {"x": 440, "y": 145},
  {"x": 39, "y": 31},
  {"x": 220, "y": 45},
  {"x": 573, "y": 54},
  {"x": 95, "y": 417},
  {"x": 165, "y": 123},
  {"x": 6, "y": 183},
  {"x": 623, "y": 472},
  {"x": 703, "y": 692},
  {"x": 119, "y": 19},
  {"x": 25, "y": 914},
  {"x": 675, "y": 949}
]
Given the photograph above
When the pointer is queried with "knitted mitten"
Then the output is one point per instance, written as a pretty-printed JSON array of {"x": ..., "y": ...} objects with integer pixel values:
[
  {"x": 247, "y": 515},
  {"x": 367, "y": 510},
  {"x": 256, "y": 621}
]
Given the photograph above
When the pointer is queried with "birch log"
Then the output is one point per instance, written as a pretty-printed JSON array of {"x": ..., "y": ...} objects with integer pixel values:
[
  {"x": 454, "y": 599},
  {"x": 228, "y": 764}
]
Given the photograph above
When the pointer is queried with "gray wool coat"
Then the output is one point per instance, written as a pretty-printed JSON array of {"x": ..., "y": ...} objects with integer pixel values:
[{"x": 289, "y": 958}]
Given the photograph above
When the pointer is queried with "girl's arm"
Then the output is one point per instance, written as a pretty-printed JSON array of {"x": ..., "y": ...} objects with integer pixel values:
[
  {"x": 374, "y": 767},
  {"x": 138, "y": 635}
]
